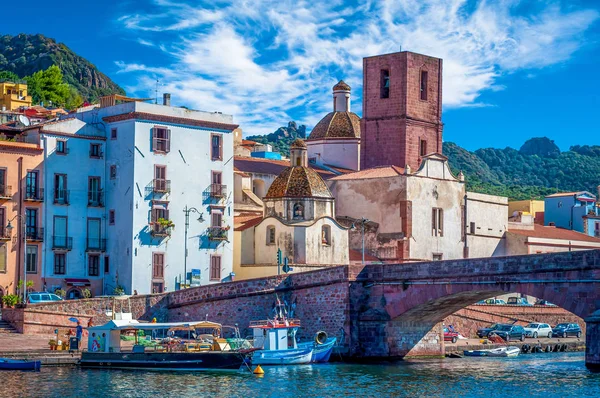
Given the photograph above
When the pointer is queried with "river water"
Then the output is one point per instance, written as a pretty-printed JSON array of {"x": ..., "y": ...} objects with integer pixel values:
[{"x": 543, "y": 375}]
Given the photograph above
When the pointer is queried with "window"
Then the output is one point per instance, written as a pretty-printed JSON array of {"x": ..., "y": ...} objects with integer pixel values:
[
  {"x": 472, "y": 228},
  {"x": 60, "y": 240},
  {"x": 270, "y": 235},
  {"x": 215, "y": 268},
  {"x": 95, "y": 150},
  {"x": 61, "y": 194},
  {"x": 216, "y": 147},
  {"x": 61, "y": 147},
  {"x": 106, "y": 265},
  {"x": 94, "y": 233},
  {"x": 158, "y": 287},
  {"x": 424, "y": 85},
  {"x": 60, "y": 260},
  {"x": 597, "y": 229},
  {"x": 3, "y": 231},
  {"x": 326, "y": 235},
  {"x": 161, "y": 139},
  {"x": 160, "y": 178},
  {"x": 437, "y": 256},
  {"x": 113, "y": 171},
  {"x": 93, "y": 265},
  {"x": 31, "y": 217},
  {"x": 32, "y": 185},
  {"x": 111, "y": 217},
  {"x": 94, "y": 192},
  {"x": 159, "y": 210},
  {"x": 158, "y": 265},
  {"x": 32, "y": 256},
  {"x": 423, "y": 148},
  {"x": 113, "y": 134},
  {"x": 298, "y": 211},
  {"x": 385, "y": 83},
  {"x": 216, "y": 218},
  {"x": 217, "y": 187},
  {"x": 3, "y": 257},
  {"x": 437, "y": 222},
  {"x": 3, "y": 191}
]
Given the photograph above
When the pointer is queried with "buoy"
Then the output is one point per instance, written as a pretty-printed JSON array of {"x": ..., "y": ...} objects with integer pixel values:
[{"x": 258, "y": 370}]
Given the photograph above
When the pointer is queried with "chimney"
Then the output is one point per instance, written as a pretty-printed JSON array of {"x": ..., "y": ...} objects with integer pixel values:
[{"x": 167, "y": 99}]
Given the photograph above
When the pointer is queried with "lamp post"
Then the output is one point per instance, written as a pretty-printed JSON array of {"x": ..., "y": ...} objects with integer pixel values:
[
  {"x": 9, "y": 228},
  {"x": 187, "y": 212}
]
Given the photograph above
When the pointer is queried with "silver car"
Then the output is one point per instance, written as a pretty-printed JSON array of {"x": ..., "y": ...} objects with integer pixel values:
[{"x": 536, "y": 330}]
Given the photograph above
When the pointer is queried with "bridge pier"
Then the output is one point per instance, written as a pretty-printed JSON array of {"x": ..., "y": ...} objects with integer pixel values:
[
  {"x": 415, "y": 339},
  {"x": 592, "y": 343}
]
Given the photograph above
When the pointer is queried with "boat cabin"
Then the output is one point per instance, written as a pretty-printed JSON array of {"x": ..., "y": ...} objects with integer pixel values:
[{"x": 274, "y": 334}]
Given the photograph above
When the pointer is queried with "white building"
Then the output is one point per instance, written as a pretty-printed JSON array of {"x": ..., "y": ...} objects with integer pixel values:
[{"x": 157, "y": 160}]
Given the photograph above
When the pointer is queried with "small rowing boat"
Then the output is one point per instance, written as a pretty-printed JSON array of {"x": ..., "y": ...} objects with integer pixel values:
[
  {"x": 19, "y": 364},
  {"x": 495, "y": 352}
]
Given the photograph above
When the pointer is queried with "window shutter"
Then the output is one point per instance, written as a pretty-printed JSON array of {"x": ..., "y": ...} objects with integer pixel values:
[
  {"x": 441, "y": 221},
  {"x": 154, "y": 216},
  {"x": 168, "y": 140},
  {"x": 154, "y": 139},
  {"x": 221, "y": 147},
  {"x": 167, "y": 214},
  {"x": 3, "y": 258},
  {"x": 433, "y": 222},
  {"x": 218, "y": 266}
]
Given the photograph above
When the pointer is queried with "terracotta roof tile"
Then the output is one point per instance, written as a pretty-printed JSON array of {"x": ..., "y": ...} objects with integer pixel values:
[
  {"x": 337, "y": 125},
  {"x": 245, "y": 221},
  {"x": 541, "y": 231},
  {"x": 341, "y": 85},
  {"x": 374, "y": 172},
  {"x": 298, "y": 143}
]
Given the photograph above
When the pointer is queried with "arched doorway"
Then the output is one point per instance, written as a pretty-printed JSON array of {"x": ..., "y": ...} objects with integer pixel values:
[
  {"x": 259, "y": 188},
  {"x": 74, "y": 294}
]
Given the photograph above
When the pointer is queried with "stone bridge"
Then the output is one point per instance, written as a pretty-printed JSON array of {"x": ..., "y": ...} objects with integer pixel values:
[{"x": 382, "y": 311}]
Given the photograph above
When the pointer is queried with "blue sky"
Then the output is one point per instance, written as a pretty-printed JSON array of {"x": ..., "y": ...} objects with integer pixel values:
[{"x": 512, "y": 69}]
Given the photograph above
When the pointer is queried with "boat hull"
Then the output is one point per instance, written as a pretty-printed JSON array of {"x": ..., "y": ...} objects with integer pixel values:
[
  {"x": 18, "y": 364},
  {"x": 220, "y": 361},
  {"x": 321, "y": 352},
  {"x": 475, "y": 353},
  {"x": 282, "y": 357},
  {"x": 504, "y": 352}
]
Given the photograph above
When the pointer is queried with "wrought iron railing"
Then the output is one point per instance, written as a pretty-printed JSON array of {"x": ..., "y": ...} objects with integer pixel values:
[{"x": 62, "y": 242}]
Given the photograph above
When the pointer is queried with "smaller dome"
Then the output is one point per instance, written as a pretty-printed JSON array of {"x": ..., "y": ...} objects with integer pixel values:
[
  {"x": 298, "y": 182},
  {"x": 341, "y": 86},
  {"x": 298, "y": 143},
  {"x": 337, "y": 125}
]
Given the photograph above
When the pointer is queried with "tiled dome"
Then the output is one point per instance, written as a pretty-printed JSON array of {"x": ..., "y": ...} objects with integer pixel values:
[
  {"x": 298, "y": 143},
  {"x": 337, "y": 125},
  {"x": 342, "y": 85},
  {"x": 298, "y": 182}
]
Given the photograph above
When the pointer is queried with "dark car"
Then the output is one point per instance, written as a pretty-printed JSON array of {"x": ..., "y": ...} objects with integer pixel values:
[
  {"x": 566, "y": 330},
  {"x": 509, "y": 332},
  {"x": 484, "y": 332}
]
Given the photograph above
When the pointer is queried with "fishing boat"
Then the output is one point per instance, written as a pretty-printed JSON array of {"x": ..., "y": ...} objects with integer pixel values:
[
  {"x": 181, "y": 346},
  {"x": 276, "y": 341},
  {"x": 322, "y": 347},
  {"x": 19, "y": 364}
]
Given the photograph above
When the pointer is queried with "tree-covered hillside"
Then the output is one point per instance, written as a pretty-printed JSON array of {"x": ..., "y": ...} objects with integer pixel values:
[
  {"x": 25, "y": 55},
  {"x": 282, "y": 137}
]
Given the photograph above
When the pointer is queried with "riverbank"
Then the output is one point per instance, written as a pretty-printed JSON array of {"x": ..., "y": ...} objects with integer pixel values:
[{"x": 572, "y": 344}]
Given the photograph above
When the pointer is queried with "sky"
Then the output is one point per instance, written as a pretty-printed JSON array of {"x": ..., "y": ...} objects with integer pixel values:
[{"x": 512, "y": 69}]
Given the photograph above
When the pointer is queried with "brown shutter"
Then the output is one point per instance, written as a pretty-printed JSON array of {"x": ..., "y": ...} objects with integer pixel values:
[
  {"x": 154, "y": 138},
  {"x": 167, "y": 140},
  {"x": 167, "y": 214},
  {"x": 218, "y": 266},
  {"x": 154, "y": 216},
  {"x": 221, "y": 147},
  {"x": 433, "y": 222}
]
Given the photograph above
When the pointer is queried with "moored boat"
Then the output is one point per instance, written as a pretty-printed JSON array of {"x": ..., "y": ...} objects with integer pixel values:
[
  {"x": 276, "y": 341},
  {"x": 504, "y": 352},
  {"x": 475, "y": 353},
  {"x": 193, "y": 351},
  {"x": 19, "y": 364},
  {"x": 322, "y": 347}
]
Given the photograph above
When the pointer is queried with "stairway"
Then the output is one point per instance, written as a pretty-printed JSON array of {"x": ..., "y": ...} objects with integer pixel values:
[{"x": 6, "y": 328}]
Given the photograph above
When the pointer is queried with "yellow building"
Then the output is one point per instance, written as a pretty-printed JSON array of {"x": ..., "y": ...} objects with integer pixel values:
[
  {"x": 528, "y": 206},
  {"x": 13, "y": 96}
]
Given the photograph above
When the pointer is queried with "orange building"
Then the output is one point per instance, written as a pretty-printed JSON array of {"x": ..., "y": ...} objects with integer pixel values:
[{"x": 21, "y": 193}]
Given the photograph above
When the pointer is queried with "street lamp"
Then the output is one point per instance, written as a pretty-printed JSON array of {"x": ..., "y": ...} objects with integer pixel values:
[
  {"x": 9, "y": 228},
  {"x": 187, "y": 212},
  {"x": 362, "y": 221}
]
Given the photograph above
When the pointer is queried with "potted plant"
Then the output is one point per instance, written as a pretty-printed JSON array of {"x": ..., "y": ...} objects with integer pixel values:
[
  {"x": 10, "y": 300},
  {"x": 165, "y": 223},
  {"x": 86, "y": 293},
  {"x": 119, "y": 291},
  {"x": 52, "y": 344}
]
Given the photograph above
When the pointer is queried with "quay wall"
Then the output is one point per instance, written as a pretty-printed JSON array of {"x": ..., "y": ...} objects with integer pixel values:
[{"x": 469, "y": 319}]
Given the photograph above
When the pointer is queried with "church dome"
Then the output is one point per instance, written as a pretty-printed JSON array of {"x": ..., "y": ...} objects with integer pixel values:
[
  {"x": 298, "y": 182},
  {"x": 337, "y": 125},
  {"x": 298, "y": 143},
  {"x": 341, "y": 86}
]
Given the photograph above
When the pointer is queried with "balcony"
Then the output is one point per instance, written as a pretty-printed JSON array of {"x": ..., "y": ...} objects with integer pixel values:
[
  {"x": 160, "y": 186},
  {"x": 218, "y": 190},
  {"x": 218, "y": 233},
  {"x": 159, "y": 230},
  {"x": 34, "y": 195},
  {"x": 5, "y": 192},
  {"x": 61, "y": 196},
  {"x": 95, "y": 245},
  {"x": 35, "y": 234},
  {"x": 62, "y": 243},
  {"x": 96, "y": 198}
]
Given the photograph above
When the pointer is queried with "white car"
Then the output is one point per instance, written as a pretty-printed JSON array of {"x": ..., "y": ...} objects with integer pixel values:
[{"x": 536, "y": 330}]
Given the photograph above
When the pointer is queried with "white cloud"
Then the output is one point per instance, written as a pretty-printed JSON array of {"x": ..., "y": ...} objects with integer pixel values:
[{"x": 267, "y": 62}]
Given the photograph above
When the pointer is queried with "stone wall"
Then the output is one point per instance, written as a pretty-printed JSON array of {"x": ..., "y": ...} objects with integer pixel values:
[{"x": 469, "y": 319}]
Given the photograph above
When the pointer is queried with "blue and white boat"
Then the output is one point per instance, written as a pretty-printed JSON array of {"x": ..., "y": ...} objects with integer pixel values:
[
  {"x": 276, "y": 341},
  {"x": 322, "y": 347},
  {"x": 19, "y": 364}
]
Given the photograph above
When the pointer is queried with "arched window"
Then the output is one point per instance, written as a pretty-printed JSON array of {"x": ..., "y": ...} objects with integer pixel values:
[
  {"x": 326, "y": 235},
  {"x": 298, "y": 211},
  {"x": 271, "y": 235},
  {"x": 74, "y": 294},
  {"x": 298, "y": 161}
]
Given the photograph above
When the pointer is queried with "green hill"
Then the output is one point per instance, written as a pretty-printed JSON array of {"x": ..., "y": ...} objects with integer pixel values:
[
  {"x": 282, "y": 137},
  {"x": 26, "y": 54}
]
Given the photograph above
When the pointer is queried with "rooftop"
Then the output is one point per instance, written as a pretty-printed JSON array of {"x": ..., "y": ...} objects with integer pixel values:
[
  {"x": 298, "y": 182},
  {"x": 337, "y": 125},
  {"x": 270, "y": 166},
  {"x": 341, "y": 86},
  {"x": 374, "y": 172},
  {"x": 244, "y": 221},
  {"x": 544, "y": 232},
  {"x": 578, "y": 193}
]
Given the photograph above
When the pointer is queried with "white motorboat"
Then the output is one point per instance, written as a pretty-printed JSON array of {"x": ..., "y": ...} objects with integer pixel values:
[{"x": 504, "y": 352}]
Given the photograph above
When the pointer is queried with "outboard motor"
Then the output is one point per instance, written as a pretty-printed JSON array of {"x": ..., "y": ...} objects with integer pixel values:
[{"x": 321, "y": 337}]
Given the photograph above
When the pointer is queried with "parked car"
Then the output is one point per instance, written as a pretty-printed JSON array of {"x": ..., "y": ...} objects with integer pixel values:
[
  {"x": 491, "y": 301},
  {"x": 566, "y": 330},
  {"x": 450, "y": 335},
  {"x": 484, "y": 332},
  {"x": 42, "y": 297},
  {"x": 544, "y": 302},
  {"x": 518, "y": 301},
  {"x": 509, "y": 332},
  {"x": 536, "y": 330}
]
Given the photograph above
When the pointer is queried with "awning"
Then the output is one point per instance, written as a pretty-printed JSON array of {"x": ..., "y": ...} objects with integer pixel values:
[{"x": 77, "y": 282}]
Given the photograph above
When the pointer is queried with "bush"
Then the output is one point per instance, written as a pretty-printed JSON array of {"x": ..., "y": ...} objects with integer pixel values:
[
  {"x": 86, "y": 293},
  {"x": 60, "y": 292},
  {"x": 10, "y": 300}
]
